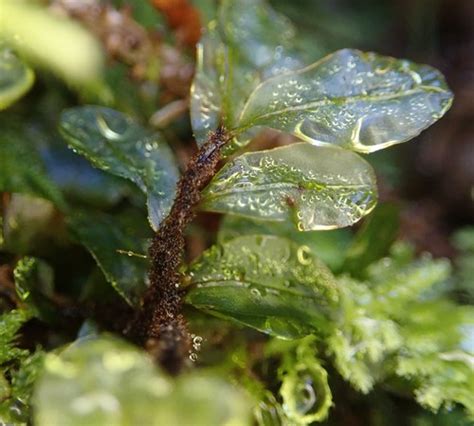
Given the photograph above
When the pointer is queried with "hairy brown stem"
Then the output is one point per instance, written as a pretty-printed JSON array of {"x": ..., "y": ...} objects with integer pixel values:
[{"x": 160, "y": 325}]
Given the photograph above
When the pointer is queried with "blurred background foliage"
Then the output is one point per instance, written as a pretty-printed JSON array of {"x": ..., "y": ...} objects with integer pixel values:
[{"x": 138, "y": 57}]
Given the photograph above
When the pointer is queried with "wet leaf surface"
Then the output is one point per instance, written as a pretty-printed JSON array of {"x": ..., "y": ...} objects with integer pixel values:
[
  {"x": 327, "y": 245},
  {"x": 316, "y": 187},
  {"x": 249, "y": 75},
  {"x": 264, "y": 282},
  {"x": 115, "y": 143},
  {"x": 360, "y": 101}
]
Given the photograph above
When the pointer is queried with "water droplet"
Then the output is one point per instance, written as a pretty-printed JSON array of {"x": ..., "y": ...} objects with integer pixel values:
[
  {"x": 256, "y": 292},
  {"x": 105, "y": 129},
  {"x": 304, "y": 255},
  {"x": 305, "y": 395},
  {"x": 197, "y": 341}
]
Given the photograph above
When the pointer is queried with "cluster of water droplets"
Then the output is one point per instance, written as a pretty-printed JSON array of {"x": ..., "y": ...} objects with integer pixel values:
[
  {"x": 265, "y": 271},
  {"x": 319, "y": 188},
  {"x": 196, "y": 347},
  {"x": 360, "y": 100}
]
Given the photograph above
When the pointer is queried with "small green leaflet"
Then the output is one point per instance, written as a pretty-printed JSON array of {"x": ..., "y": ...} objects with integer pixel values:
[
  {"x": 115, "y": 143},
  {"x": 316, "y": 187},
  {"x": 16, "y": 78},
  {"x": 264, "y": 282}
]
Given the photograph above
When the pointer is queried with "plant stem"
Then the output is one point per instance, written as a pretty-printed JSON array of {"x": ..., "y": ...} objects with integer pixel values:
[{"x": 160, "y": 325}]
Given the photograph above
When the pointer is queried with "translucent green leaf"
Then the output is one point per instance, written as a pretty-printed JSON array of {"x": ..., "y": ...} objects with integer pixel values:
[
  {"x": 108, "y": 382},
  {"x": 327, "y": 245},
  {"x": 16, "y": 78},
  {"x": 248, "y": 43},
  {"x": 316, "y": 187},
  {"x": 361, "y": 101},
  {"x": 206, "y": 98},
  {"x": 117, "y": 250},
  {"x": 264, "y": 282},
  {"x": 263, "y": 37},
  {"x": 115, "y": 143},
  {"x": 249, "y": 75}
]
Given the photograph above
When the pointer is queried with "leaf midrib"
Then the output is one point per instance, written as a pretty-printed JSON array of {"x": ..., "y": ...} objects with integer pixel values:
[
  {"x": 244, "y": 283},
  {"x": 284, "y": 185},
  {"x": 329, "y": 101}
]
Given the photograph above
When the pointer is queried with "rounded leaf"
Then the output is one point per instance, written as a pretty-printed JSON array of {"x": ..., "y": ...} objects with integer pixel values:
[
  {"x": 357, "y": 100},
  {"x": 115, "y": 143},
  {"x": 265, "y": 282},
  {"x": 317, "y": 187}
]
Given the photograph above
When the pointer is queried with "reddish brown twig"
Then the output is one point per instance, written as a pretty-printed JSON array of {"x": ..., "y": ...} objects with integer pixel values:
[{"x": 160, "y": 325}]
